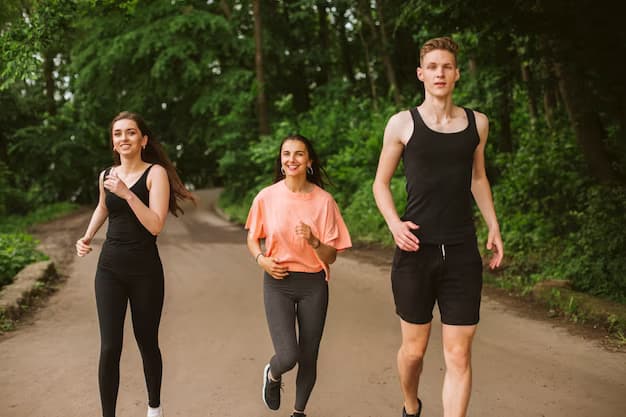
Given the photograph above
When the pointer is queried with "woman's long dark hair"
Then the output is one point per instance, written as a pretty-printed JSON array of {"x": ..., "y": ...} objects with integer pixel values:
[
  {"x": 319, "y": 176},
  {"x": 153, "y": 153}
]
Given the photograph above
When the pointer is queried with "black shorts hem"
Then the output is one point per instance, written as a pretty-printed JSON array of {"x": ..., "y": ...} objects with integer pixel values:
[
  {"x": 462, "y": 323},
  {"x": 413, "y": 321}
]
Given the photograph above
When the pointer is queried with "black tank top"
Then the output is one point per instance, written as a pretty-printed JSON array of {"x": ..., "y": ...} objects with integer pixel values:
[
  {"x": 129, "y": 247},
  {"x": 438, "y": 169}
]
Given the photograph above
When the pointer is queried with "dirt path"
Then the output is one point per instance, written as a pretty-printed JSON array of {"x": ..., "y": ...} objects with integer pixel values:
[{"x": 215, "y": 343}]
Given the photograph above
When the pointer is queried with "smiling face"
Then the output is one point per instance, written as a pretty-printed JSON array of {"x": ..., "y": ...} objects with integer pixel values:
[
  {"x": 294, "y": 158},
  {"x": 127, "y": 138},
  {"x": 438, "y": 72}
]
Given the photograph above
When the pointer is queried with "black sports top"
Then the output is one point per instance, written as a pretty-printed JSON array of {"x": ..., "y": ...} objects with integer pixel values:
[
  {"x": 129, "y": 247},
  {"x": 438, "y": 169}
]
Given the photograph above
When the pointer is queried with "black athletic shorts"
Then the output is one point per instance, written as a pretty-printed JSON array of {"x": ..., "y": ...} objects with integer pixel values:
[{"x": 448, "y": 274}]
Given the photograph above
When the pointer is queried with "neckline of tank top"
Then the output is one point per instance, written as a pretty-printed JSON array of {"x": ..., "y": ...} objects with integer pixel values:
[
  {"x": 298, "y": 196},
  {"x": 466, "y": 128},
  {"x": 138, "y": 179}
]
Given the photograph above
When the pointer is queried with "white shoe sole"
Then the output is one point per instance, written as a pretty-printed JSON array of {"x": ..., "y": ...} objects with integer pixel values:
[{"x": 265, "y": 379}]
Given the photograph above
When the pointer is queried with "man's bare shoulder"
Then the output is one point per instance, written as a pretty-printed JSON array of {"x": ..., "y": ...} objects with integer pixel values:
[
  {"x": 481, "y": 118},
  {"x": 482, "y": 124},
  {"x": 401, "y": 118},
  {"x": 399, "y": 127}
]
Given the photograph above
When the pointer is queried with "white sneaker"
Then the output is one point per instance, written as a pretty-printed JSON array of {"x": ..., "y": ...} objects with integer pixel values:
[{"x": 155, "y": 412}]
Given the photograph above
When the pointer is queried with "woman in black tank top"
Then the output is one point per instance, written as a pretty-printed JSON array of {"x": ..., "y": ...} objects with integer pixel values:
[{"x": 135, "y": 195}]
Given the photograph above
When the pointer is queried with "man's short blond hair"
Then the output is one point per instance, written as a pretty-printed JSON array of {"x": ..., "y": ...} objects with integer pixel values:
[{"x": 445, "y": 43}]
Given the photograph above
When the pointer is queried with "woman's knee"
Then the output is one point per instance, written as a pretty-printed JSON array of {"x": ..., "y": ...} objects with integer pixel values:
[
  {"x": 110, "y": 351},
  {"x": 287, "y": 360}
]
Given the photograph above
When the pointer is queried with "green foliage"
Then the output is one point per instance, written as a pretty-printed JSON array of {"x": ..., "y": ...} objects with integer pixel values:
[
  {"x": 363, "y": 218},
  {"x": 347, "y": 136},
  {"x": 593, "y": 254},
  {"x": 17, "y": 248},
  {"x": 57, "y": 160},
  {"x": 42, "y": 29},
  {"x": 67, "y": 67},
  {"x": 21, "y": 223},
  {"x": 16, "y": 251}
]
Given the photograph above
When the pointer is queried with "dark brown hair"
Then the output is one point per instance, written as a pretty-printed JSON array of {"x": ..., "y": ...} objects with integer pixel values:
[
  {"x": 153, "y": 153},
  {"x": 318, "y": 177},
  {"x": 445, "y": 43}
]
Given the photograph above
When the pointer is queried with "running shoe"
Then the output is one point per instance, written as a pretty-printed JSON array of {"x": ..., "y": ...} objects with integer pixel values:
[
  {"x": 271, "y": 390},
  {"x": 155, "y": 412},
  {"x": 419, "y": 410}
]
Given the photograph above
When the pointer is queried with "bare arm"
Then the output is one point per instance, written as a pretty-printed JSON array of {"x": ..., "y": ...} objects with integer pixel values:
[
  {"x": 389, "y": 159},
  {"x": 269, "y": 264},
  {"x": 83, "y": 245},
  {"x": 481, "y": 191},
  {"x": 152, "y": 217}
]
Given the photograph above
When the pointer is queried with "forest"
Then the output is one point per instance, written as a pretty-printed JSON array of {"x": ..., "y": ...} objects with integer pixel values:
[{"x": 222, "y": 82}]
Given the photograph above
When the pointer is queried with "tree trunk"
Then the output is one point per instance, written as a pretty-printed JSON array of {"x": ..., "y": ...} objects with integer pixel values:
[
  {"x": 389, "y": 67},
  {"x": 324, "y": 43},
  {"x": 348, "y": 66},
  {"x": 226, "y": 9},
  {"x": 506, "y": 144},
  {"x": 4, "y": 148},
  {"x": 586, "y": 122},
  {"x": 264, "y": 127},
  {"x": 48, "y": 75},
  {"x": 549, "y": 104},
  {"x": 532, "y": 103},
  {"x": 368, "y": 70}
]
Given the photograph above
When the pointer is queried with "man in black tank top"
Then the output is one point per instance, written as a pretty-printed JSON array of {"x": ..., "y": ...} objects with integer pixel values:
[{"x": 437, "y": 258}]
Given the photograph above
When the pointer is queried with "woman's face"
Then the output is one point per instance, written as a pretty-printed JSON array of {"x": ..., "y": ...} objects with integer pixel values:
[
  {"x": 127, "y": 138},
  {"x": 294, "y": 158}
]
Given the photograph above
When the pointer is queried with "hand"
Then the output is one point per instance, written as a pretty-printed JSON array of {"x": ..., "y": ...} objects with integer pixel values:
[
  {"x": 303, "y": 230},
  {"x": 403, "y": 236},
  {"x": 114, "y": 184},
  {"x": 83, "y": 246},
  {"x": 494, "y": 244},
  {"x": 273, "y": 267}
]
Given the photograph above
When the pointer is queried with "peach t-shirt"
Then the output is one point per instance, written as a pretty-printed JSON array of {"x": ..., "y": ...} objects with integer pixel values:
[{"x": 274, "y": 215}]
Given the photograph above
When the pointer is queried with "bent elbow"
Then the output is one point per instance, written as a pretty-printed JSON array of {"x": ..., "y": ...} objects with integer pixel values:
[{"x": 157, "y": 228}]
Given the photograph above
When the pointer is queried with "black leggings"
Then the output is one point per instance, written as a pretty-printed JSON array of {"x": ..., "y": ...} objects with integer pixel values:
[
  {"x": 302, "y": 296},
  {"x": 145, "y": 293}
]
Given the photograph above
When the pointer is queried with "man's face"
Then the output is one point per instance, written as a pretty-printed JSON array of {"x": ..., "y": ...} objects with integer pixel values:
[{"x": 438, "y": 72}]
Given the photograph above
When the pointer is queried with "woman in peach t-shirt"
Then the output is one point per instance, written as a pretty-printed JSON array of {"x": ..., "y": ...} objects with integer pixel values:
[{"x": 303, "y": 231}]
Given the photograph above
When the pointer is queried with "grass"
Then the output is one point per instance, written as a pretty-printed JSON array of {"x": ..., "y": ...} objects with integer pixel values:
[
  {"x": 560, "y": 300},
  {"x": 17, "y": 224}
]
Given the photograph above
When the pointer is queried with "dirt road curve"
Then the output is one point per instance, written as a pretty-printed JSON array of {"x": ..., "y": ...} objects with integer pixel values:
[{"x": 215, "y": 344}]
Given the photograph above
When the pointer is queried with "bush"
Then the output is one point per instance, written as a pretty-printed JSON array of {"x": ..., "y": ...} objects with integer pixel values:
[
  {"x": 363, "y": 219},
  {"x": 16, "y": 251},
  {"x": 17, "y": 248},
  {"x": 15, "y": 223},
  {"x": 593, "y": 258}
]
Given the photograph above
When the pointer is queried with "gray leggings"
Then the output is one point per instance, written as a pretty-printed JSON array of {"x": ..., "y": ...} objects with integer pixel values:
[{"x": 302, "y": 296}]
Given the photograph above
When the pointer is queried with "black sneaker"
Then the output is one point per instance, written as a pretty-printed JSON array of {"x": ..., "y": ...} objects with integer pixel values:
[
  {"x": 271, "y": 390},
  {"x": 419, "y": 410},
  {"x": 297, "y": 414}
]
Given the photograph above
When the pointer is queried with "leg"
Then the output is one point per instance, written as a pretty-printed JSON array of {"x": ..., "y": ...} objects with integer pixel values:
[
  {"x": 146, "y": 304},
  {"x": 459, "y": 294},
  {"x": 311, "y": 313},
  {"x": 413, "y": 280},
  {"x": 280, "y": 312},
  {"x": 410, "y": 361},
  {"x": 111, "y": 301},
  {"x": 457, "y": 383}
]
